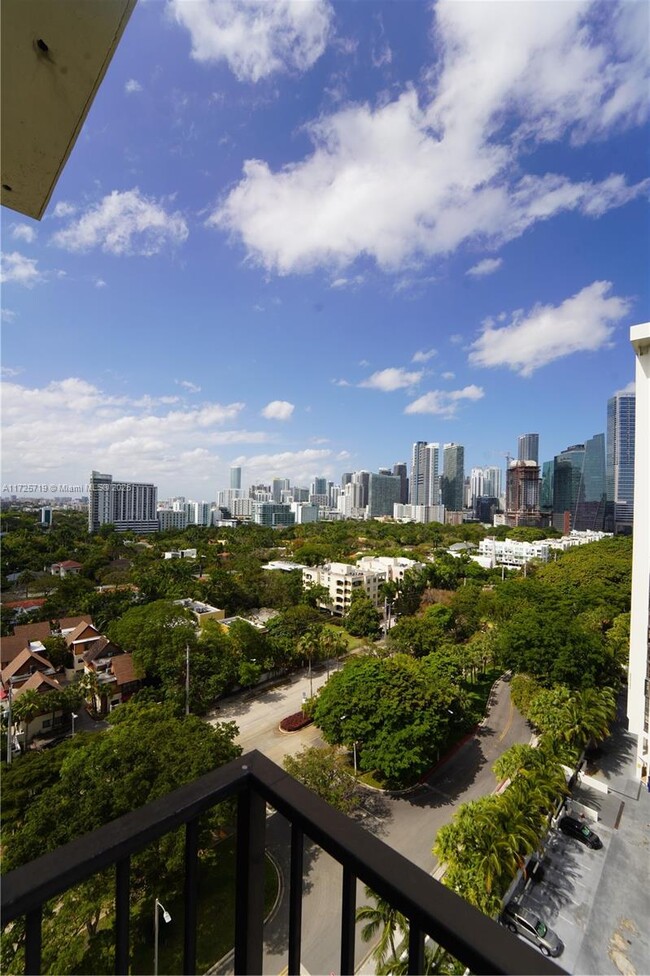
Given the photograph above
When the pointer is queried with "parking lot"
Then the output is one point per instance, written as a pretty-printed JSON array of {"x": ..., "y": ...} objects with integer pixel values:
[{"x": 564, "y": 898}]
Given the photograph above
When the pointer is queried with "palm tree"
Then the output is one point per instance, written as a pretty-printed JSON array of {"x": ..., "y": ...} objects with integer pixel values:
[
  {"x": 26, "y": 707},
  {"x": 436, "y": 961},
  {"x": 385, "y": 917}
]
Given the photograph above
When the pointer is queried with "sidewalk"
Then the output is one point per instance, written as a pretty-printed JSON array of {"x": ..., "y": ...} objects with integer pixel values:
[{"x": 617, "y": 936}]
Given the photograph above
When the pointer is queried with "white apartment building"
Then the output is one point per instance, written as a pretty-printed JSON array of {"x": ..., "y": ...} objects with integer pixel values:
[
  {"x": 128, "y": 505},
  {"x": 638, "y": 694},
  {"x": 199, "y": 513},
  {"x": 304, "y": 512},
  {"x": 508, "y": 552},
  {"x": 419, "y": 513},
  {"x": 394, "y": 566},
  {"x": 241, "y": 508},
  {"x": 169, "y": 518},
  {"x": 350, "y": 503},
  {"x": 341, "y": 580}
]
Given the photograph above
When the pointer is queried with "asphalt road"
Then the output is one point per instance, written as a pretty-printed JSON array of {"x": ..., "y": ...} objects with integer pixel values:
[{"x": 407, "y": 823}]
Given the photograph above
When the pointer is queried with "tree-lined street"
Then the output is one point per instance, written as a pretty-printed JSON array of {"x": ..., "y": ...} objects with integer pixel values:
[{"x": 406, "y": 822}]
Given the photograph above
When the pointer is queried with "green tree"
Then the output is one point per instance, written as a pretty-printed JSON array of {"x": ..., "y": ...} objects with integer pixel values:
[
  {"x": 325, "y": 772},
  {"x": 25, "y": 579},
  {"x": 26, "y": 707},
  {"x": 396, "y": 709},
  {"x": 363, "y": 619},
  {"x": 145, "y": 754},
  {"x": 384, "y": 919},
  {"x": 57, "y": 652}
]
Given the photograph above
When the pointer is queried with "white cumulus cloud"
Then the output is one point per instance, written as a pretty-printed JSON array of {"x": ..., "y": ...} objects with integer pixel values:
[
  {"x": 189, "y": 386},
  {"x": 424, "y": 355},
  {"x": 124, "y": 223},
  {"x": 393, "y": 378},
  {"x": 132, "y": 86},
  {"x": 485, "y": 267},
  {"x": 23, "y": 232},
  {"x": 582, "y": 323},
  {"x": 20, "y": 269},
  {"x": 59, "y": 431},
  {"x": 444, "y": 403},
  {"x": 257, "y": 38},
  {"x": 278, "y": 410},
  {"x": 299, "y": 466},
  {"x": 419, "y": 176}
]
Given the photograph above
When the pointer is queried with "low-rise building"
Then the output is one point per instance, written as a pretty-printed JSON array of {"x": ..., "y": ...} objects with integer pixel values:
[
  {"x": 180, "y": 554},
  {"x": 201, "y": 611},
  {"x": 67, "y": 568}
]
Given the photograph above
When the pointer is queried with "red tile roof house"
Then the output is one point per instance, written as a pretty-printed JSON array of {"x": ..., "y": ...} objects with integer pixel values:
[
  {"x": 30, "y": 671},
  {"x": 78, "y": 641},
  {"x": 126, "y": 680},
  {"x": 67, "y": 568},
  {"x": 32, "y": 635}
]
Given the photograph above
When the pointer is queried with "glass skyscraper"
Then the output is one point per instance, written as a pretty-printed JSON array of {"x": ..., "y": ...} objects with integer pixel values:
[
  {"x": 621, "y": 415},
  {"x": 453, "y": 477},
  {"x": 579, "y": 485}
]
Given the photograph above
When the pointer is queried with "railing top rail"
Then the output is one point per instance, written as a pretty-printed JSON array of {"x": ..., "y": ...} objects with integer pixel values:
[
  {"x": 475, "y": 939},
  {"x": 465, "y": 932},
  {"x": 53, "y": 873}
]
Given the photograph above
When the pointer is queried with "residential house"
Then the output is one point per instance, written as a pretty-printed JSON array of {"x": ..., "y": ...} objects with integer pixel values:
[{"x": 67, "y": 568}]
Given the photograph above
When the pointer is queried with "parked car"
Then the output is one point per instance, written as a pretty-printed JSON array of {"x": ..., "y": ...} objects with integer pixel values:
[
  {"x": 527, "y": 923},
  {"x": 579, "y": 829}
]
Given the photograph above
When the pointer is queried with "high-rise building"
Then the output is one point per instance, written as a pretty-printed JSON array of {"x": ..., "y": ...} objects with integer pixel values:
[
  {"x": 235, "y": 478},
  {"x": 424, "y": 484},
  {"x": 592, "y": 501},
  {"x": 638, "y": 678},
  {"x": 401, "y": 470},
  {"x": 492, "y": 481},
  {"x": 383, "y": 493},
  {"x": 128, "y": 505},
  {"x": 528, "y": 448},
  {"x": 621, "y": 414},
  {"x": 272, "y": 514},
  {"x": 546, "y": 490},
  {"x": 567, "y": 484},
  {"x": 453, "y": 477},
  {"x": 476, "y": 482},
  {"x": 46, "y": 517},
  {"x": 278, "y": 485},
  {"x": 522, "y": 494},
  {"x": 319, "y": 486}
]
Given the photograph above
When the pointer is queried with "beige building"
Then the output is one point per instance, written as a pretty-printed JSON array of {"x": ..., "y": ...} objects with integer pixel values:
[{"x": 341, "y": 580}]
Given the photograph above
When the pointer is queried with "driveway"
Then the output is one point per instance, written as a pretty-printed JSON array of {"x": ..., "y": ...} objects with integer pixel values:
[{"x": 408, "y": 823}]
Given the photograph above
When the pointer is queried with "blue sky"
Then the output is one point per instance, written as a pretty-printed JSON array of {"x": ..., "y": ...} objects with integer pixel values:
[{"x": 298, "y": 236}]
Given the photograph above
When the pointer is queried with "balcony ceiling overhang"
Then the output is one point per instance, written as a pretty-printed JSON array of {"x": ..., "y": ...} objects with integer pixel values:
[{"x": 55, "y": 54}]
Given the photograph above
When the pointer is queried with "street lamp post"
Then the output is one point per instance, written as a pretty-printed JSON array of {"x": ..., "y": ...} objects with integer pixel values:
[
  {"x": 354, "y": 748},
  {"x": 73, "y": 716},
  {"x": 166, "y": 918}
]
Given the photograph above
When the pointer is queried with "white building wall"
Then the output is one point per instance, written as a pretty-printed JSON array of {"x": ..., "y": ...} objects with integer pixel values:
[{"x": 638, "y": 701}]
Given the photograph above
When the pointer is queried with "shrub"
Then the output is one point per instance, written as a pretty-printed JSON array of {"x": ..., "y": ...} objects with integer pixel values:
[{"x": 292, "y": 723}]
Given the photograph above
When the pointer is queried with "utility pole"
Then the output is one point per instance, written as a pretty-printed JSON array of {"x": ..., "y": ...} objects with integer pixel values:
[
  {"x": 187, "y": 679},
  {"x": 9, "y": 749}
]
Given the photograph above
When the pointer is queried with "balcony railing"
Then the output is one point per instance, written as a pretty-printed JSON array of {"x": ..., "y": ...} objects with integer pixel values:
[{"x": 431, "y": 909}]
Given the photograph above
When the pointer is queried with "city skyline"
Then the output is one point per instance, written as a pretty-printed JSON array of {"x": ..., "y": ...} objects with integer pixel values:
[{"x": 300, "y": 257}]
